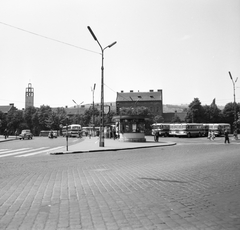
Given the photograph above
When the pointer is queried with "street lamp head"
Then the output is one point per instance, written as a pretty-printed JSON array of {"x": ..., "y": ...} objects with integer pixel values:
[
  {"x": 74, "y": 101},
  {"x": 111, "y": 44},
  {"x": 90, "y": 30},
  {"x": 236, "y": 79},
  {"x": 230, "y": 75}
]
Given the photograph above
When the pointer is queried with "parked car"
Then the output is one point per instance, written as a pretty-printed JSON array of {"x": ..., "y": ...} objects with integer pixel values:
[{"x": 25, "y": 134}]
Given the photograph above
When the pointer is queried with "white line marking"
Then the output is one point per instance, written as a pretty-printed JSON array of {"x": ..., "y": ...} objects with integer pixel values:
[
  {"x": 11, "y": 152},
  {"x": 34, "y": 153}
]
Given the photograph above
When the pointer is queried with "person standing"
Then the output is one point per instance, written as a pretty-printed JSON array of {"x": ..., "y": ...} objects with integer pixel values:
[{"x": 226, "y": 136}]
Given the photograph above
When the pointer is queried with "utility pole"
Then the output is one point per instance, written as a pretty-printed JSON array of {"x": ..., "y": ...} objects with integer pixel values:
[
  {"x": 93, "y": 89},
  {"x": 234, "y": 98}
]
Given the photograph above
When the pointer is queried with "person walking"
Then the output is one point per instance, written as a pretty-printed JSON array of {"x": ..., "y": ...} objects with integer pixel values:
[
  {"x": 156, "y": 136},
  {"x": 209, "y": 135},
  {"x": 226, "y": 136},
  {"x": 212, "y": 136}
]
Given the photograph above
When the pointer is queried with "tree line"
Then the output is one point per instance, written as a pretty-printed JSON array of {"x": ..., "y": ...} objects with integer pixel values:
[{"x": 45, "y": 118}]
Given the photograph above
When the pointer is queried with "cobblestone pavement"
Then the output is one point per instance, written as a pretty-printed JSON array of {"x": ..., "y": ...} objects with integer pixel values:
[{"x": 179, "y": 187}]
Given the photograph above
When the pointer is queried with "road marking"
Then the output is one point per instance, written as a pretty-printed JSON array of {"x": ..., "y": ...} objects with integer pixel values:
[
  {"x": 44, "y": 151},
  {"x": 12, "y": 152},
  {"x": 3, "y": 150}
]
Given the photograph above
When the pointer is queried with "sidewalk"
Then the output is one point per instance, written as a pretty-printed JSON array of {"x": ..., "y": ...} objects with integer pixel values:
[
  {"x": 92, "y": 145},
  {"x": 10, "y": 138}
]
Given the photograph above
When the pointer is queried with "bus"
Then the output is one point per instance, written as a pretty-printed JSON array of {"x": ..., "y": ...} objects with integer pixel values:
[
  {"x": 73, "y": 130},
  {"x": 190, "y": 130},
  {"x": 186, "y": 129},
  {"x": 161, "y": 128},
  {"x": 89, "y": 130},
  {"x": 217, "y": 128}
]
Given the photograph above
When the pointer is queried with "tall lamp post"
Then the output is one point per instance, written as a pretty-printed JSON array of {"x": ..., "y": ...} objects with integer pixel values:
[
  {"x": 78, "y": 105},
  {"x": 235, "y": 115},
  {"x": 93, "y": 89},
  {"x": 101, "y": 139}
]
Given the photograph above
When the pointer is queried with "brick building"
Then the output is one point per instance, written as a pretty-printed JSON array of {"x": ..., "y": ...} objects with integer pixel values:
[{"x": 151, "y": 100}]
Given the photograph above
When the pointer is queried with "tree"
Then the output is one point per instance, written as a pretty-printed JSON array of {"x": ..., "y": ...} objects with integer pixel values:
[
  {"x": 211, "y": 114},
  {"x": 45, "y": 117},
  {"x": 28, "y": 116},
  {"x": 158, "y": 119},
  {"x": 14, "y": 119},
  {"x": 176, "y": 119},
  {"x": 228, "y": 113},
  {"x": 195, "y": 112}
]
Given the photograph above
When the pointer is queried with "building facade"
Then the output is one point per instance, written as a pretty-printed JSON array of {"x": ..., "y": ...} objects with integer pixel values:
[
  {"x": 151, "y": 100},
  {"x": 29, "y": 96}
]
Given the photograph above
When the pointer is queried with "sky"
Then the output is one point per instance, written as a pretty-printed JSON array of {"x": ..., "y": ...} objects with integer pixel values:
[{"x": 184, "y": 47}]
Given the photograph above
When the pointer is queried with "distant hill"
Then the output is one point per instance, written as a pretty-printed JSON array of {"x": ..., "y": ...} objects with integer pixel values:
[{"x": 172, "y": 108}]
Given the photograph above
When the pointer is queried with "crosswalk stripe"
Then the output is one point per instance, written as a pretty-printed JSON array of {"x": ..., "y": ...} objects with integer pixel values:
[
  {"x": 12, "y": 151},
  {"x": 24, "y": 151},
  {"x": 44, "y": 151},
  {"x": 1, "y": 150}
]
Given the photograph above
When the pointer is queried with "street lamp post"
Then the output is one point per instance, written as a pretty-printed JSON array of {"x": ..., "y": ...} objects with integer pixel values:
[
  {"x": 235, "y": 115},
  {"x": 101, "y": 139},
  {"x": 93, "y": 89},
  {"x": 78, "y": 105}
]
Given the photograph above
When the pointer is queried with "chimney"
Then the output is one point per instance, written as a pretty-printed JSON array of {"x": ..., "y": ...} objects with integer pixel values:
[
  {"x": 122, "y": 91},
  {"x": 151, "y": 90},
  {"x": 159, "y": 90},
  {"x": 11, "y": 104},
  {"x": 131, "y": 91},
  {"x": 66, "y": 106}
]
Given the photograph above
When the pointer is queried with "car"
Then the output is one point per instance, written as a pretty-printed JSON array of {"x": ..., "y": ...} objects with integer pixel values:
[{"x": 25, "y": 134}]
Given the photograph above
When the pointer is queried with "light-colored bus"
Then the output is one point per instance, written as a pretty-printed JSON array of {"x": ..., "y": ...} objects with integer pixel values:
[
  {"x": 217, "y": 128},
  {"x": 187, "y": 129},
  {"x": 161, "y": 128},
  {"x": 89, "y": 130},
  {"x": 73, "y": 130}
]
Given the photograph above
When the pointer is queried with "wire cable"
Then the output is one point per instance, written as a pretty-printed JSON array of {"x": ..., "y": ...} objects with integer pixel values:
[{"x": 52, "y": 39}]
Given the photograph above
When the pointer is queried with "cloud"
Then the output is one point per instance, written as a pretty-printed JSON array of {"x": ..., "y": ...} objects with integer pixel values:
[{"x": 186, "y": 37}]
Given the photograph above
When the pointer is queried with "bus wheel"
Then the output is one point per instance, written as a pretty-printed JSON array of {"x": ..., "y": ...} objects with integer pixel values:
[{"x": 189, "y": 135}]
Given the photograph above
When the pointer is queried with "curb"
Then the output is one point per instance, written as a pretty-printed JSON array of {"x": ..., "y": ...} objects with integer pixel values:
[
  {"x": 112, "y": 149},
  {"x": 8, "y": 139}
]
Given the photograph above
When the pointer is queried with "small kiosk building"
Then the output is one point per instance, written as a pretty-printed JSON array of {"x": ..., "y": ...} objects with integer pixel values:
[{"x": 130, "y": 128}]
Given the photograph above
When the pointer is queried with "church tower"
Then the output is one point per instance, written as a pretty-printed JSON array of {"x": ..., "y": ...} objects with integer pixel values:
[{"x": 29, "y": 96}]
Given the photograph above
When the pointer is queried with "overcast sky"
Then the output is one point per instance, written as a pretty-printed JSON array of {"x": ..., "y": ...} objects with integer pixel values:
[{"x": 183, "y": 47}]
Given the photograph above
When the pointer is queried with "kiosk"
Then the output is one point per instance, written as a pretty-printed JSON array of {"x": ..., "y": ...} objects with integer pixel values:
[{"x": 130, "y": 128}]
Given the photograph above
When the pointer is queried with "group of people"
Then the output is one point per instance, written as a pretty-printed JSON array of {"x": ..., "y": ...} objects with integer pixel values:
[{"x": 211, "y": 136}]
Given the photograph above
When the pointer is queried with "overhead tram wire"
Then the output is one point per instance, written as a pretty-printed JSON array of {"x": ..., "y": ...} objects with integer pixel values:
[{"x": 52, "y": 39}]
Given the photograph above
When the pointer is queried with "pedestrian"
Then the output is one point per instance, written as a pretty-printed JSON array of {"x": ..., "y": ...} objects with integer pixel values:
[
  {"x": 5, "y": 133},
  {"x": 209, "y": 135},
  {"x": 212, "y": 136},
  {"x": 16, "y": 133},
  {"x": 156, "y": 136},
  {"x": 226, "y": 136},
  {"x": 235, "y": 135},
  {"x": 114, "y": 133}
]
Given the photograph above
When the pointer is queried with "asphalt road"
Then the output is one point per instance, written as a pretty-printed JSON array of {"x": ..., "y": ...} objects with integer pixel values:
[
  {"x": 193, "y": 185},
  {"x": 37, "y": 142}
]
